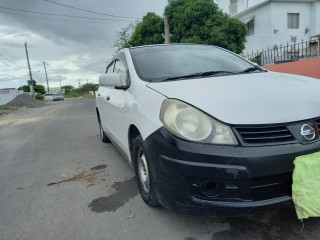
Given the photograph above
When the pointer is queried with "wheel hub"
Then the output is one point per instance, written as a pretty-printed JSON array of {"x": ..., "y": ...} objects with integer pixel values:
[{"x": 143, "y": 172}]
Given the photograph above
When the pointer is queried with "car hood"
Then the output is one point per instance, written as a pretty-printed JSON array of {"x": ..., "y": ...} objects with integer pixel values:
[{"x": 256, "y": 98}]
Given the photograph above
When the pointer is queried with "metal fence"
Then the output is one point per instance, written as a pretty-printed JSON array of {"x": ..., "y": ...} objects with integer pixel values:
[{"x": 288, "y": 53}]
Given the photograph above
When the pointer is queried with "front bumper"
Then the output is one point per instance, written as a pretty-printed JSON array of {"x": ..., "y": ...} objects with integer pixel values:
[{"x": 204, "y": 179}]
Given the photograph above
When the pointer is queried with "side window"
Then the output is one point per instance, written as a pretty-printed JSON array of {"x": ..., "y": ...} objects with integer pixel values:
[
  {"x": 110, "y": 68},
  {"x": 120, "y": 69}
]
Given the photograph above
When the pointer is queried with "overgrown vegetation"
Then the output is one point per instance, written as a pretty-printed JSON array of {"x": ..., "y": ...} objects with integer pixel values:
[
  {"x": 191, "y": 21},
  {"x": 39, "y": 96},
  {"x": 83, "y": 90},
  {"x": 5, "y": 107},
  {"x": 37, "y": 88}
]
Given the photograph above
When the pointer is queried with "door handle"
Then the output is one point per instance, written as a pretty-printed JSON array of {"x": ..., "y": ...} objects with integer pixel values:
[{"x": 108, "y": 98}]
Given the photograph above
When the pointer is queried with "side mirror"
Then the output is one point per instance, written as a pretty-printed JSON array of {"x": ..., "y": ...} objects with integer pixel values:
[{"x": 110, "y": 80}]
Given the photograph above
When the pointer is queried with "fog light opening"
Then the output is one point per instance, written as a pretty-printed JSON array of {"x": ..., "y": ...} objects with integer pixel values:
[{"x": 212, "y": 188}]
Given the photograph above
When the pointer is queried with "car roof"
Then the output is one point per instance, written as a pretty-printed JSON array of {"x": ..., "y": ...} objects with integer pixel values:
[{"x": 172, "y": 44}]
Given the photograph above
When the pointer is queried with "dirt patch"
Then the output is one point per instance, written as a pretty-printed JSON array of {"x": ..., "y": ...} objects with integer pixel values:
[
  {"x": 25, "y": 100},
  {"x": 92, "y": 177},
  {"x": 99, "y": 167}
]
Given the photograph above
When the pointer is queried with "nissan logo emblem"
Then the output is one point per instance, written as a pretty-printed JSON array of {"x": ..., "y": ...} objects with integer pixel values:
[{"x": 307, "y": 132}]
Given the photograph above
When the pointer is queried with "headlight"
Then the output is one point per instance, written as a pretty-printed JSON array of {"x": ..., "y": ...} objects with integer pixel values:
[{"x": 189, "y": 123}]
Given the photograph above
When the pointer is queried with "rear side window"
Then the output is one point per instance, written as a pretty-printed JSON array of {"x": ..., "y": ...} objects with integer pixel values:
[{"x": 120, "y": 69}]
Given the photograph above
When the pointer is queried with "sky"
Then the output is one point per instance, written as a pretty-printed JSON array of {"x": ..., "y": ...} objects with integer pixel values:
[{"x": 75, "y": 47}]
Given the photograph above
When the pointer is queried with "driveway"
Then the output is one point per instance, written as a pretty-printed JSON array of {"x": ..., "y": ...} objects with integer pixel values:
[{"x": 59, "y": 181}]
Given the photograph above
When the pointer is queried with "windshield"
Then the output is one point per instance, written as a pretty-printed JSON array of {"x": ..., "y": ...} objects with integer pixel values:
[{"x": 161, "y": 63}]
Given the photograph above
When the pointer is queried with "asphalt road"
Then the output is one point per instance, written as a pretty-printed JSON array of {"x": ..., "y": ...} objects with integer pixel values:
[{"x": 92, "y": 193}]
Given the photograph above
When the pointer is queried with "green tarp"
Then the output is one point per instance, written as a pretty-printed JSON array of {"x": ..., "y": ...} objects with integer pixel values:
[{"x": 306, "y": 185}]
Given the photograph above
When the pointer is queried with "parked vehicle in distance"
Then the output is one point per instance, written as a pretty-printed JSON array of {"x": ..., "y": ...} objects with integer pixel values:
[
  {"x": 208, "y": 132},
  {"x": 48, "y": 96},
  {"x": 58, "y": 97}
]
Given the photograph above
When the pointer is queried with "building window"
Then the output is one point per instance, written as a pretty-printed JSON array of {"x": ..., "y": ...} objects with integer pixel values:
[
  {"x": 233, "y": 8},
  {"x": 250, "y": 26},
  {"x": 293, "y": 20}
]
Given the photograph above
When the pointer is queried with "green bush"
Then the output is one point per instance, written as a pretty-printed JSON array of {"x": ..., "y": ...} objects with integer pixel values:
[{"x": 39, "y": 96}]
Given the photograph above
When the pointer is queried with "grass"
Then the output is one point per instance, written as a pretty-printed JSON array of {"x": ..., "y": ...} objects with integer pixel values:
[
  {"x": 72, "y": 95},
  {"x": 5, "y": 107}
]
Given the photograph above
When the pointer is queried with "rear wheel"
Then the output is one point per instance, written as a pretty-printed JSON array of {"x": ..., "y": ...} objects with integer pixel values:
[
  {"x": 103, "y": 136},
  {"x": 144, "y": 174}
]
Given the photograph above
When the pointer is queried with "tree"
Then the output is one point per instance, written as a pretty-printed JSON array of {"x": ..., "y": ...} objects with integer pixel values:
[
  {"x": 67, "y": 89},
  {"x": 201, "y": 21},
  {"x": 85, "y": 88},
  {"x": 149, "y": 31},
  {"x": 24, "y": 88},
  {"x": 123, "y": 37},
  {"x": 39, "y": 89}
]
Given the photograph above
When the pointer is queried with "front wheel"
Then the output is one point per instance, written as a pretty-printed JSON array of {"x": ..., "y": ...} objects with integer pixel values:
[
  {"x": 103, "y": 136},
  {"x": 144, "y": 175}
]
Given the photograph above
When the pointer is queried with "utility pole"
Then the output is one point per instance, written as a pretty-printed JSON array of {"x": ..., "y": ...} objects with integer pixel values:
[
  {"x": 30, "y": 73},
  {"x": 45, "y": 70},
  {"x": 166, "y": 31},
  {"x": 60, "y": 84}
]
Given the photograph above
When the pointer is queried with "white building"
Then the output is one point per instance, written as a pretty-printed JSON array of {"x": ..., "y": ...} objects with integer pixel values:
[
  {"x": 223, "y": 5},
  {"x": 274, "y": 23},
  {"x": 8, "y": 94}
]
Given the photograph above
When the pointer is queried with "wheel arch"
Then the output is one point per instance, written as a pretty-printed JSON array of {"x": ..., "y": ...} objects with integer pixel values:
[
  {"x": 98, "y": 114},
  {"x": 133, "y": 132}
]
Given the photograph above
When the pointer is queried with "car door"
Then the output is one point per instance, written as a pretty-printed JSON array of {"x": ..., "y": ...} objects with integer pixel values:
[
  {"x": 102, "y": 102},
  {"x": 116, "y": 105}
]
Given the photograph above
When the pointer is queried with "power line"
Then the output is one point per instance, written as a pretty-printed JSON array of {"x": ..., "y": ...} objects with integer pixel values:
[
  {"x": 14, "y": 68},
  {"x": 61, "y": 20},
  {"x": 63, "y": 15},
  {"x": 10, "y": 62},
  {"x": 84, "y": 10},
  {"x": 8, "y": 55},
  {"x": 6, "y": 50}
]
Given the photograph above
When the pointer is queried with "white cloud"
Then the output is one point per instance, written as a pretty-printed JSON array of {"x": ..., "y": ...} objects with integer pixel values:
[{"x": 75, "y": 51}]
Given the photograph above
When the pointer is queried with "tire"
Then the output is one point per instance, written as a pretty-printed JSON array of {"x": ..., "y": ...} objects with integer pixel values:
[
  {"x": 103, "y": 136},
  {"x": 144, "y": 174}
]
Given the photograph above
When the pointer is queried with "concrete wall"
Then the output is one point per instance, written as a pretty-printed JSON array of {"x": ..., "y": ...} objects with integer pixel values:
[
  {"x": 315, "y": 18},
  {"x": 8, "y": 95},
  {"x": 223, "y": 5},
  {"x": 254, "y": 2},
  {"x": 309, "y": 67},
  {"x": 262, "y": 29},
  {"x": 280, "y": 32}
]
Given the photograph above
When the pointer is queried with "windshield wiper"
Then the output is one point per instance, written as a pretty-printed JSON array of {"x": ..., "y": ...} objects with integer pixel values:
[
  {"x": 201, "y": 74},
  {"x": 251, "y": 69}
]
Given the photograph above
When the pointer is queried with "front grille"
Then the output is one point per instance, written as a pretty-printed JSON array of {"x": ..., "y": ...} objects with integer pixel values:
[
  {"x": 263, "y": 188},
  {"x": 265, "y": 135}
]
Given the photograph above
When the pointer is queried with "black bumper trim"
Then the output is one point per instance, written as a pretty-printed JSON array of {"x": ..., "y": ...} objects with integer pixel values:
[{"x": 254, "y": 179}]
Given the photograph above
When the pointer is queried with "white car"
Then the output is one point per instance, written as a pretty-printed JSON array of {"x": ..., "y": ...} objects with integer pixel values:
[
  {"x": 58, "y": 97},
  {"x": 48, "y": 96},
  {"x": 208, "y": 132}
]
